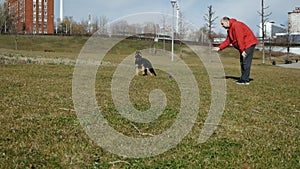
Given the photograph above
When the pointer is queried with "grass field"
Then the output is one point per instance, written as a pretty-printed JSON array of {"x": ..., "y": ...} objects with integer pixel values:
[{"x": 39, "y": 129}]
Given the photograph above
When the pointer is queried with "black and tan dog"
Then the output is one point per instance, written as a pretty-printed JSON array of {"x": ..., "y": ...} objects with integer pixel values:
[{"x": 142, "y": 64}]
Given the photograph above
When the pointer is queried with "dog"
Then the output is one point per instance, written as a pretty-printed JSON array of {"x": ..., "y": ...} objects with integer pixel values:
[{"x": 143, "y": 64}]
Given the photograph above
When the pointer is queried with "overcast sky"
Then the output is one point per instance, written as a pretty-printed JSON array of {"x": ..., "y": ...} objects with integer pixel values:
[{"x": 192, "y": 10}]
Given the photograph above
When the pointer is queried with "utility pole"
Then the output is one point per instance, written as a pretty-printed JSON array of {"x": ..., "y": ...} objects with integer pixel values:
[
  {"x": 263, "y": 30},
  {"x": 177, "y": 16},
  {"x": 173, "y": 2}
]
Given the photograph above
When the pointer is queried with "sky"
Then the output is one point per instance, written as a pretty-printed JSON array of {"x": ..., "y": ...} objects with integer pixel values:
[{"x": 192, "y": 10}]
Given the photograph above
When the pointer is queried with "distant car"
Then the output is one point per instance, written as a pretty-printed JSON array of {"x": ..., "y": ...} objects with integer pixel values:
[{"x": 288, "y": 61}]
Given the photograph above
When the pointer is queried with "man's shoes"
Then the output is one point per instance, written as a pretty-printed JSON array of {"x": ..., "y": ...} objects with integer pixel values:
[{"x": 242, "y": 82}]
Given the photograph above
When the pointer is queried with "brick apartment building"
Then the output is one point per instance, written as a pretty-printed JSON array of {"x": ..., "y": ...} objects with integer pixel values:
[{"x": 32, "y": 16}]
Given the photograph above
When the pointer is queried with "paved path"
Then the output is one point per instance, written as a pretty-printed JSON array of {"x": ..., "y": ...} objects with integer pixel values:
[{"x": 293, "y": 65}]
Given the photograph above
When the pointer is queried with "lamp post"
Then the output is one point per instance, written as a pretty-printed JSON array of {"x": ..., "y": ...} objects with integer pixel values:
[
  {"x": 177, "y": 17},
  {"x": 173, "y": 2}
]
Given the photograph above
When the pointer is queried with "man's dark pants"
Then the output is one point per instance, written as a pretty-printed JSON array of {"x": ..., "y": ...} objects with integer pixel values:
[{"x": 246, "y": 64}]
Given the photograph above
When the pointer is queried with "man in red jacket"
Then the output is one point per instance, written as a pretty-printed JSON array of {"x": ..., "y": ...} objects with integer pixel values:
[{"x": 243, "y": 39}]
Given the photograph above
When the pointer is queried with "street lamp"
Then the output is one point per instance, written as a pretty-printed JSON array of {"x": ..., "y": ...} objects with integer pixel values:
[
  {"x": 173, "y": 2},
  {"x": 177, "y": 17}
]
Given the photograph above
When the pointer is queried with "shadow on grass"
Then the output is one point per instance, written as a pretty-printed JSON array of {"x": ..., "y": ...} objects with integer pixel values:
[{"x": 235, "y": 78}]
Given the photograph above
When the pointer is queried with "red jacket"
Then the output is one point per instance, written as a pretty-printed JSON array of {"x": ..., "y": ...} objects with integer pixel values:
[{"x": 239, "y": 35}]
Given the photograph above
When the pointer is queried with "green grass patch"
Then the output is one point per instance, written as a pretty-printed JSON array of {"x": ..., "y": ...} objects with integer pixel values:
[{"x": 39, "y": 128}]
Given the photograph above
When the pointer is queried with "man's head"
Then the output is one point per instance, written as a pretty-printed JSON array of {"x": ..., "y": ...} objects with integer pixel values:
[{"x": 225, "y": 22}]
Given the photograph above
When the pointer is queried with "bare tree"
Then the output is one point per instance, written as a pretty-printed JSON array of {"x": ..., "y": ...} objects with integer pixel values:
[
  {"x": 264, "y": 18},
  {"x": 181, "y": 27},
  {"x": 13, "y": 25},
  {"x": 2, "y": 17},
  {"x": 120, "y": 28},
  {"x": 103, "y": 24},
  {"x": 181, "y": 31},
  {"x": 149, "y": 27},
  {"x": 210, "y": 22},
  {"x": 84, "y": 27},
  {"x": 163, "y": 20},
  {"x": 95, "y": 24},
  {"x": 67, "y": 22},
  {"x": 79, "y": 28},
  {"x": 5, "y": 20}
]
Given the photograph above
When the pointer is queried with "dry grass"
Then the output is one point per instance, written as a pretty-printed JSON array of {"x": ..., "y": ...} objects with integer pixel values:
[{"x": 259, "y": 128}]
